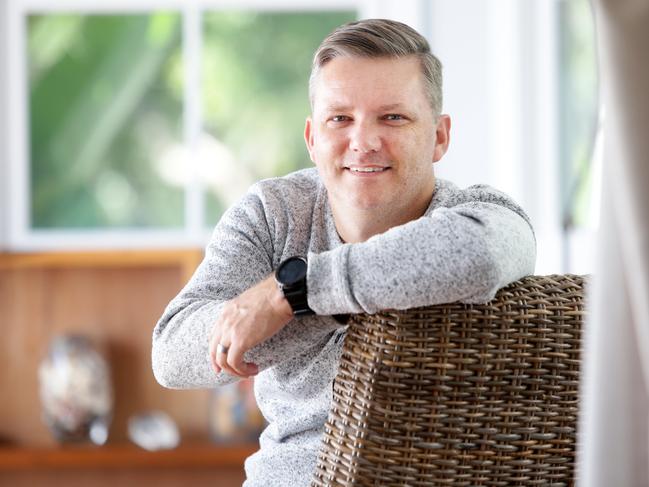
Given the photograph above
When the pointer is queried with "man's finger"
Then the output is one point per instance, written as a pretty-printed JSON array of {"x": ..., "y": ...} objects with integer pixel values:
[
  {"x": 235, "y": 360},
  {"x": 212, "y": 354},
  {"x": 221, "y": 350},
  {"x": 222, "y": 359}
]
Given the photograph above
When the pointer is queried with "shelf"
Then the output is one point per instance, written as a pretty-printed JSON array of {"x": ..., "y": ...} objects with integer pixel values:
[
  {"x": 124, "y": 456},
  {"x": 186, "y": 259}
]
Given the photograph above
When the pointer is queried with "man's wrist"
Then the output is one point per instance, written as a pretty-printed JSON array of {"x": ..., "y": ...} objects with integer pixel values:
[{"x": 278, "y": 301}]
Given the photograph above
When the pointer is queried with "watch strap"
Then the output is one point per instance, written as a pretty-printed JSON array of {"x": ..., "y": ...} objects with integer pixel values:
[{"x": 296, "y": 297}]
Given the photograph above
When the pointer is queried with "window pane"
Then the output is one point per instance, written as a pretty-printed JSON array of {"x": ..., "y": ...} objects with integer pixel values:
[
  {"x": 255, "y": 97},
  {"x": 579, "y": 121},
  {"x": 105, "y": 96}
]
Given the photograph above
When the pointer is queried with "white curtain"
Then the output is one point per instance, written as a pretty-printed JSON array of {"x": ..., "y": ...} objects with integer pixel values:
[{"x": 614, "y": 427}]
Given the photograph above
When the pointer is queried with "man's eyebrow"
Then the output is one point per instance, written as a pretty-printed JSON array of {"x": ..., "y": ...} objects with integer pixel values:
[
  {"x": 382, "y": 108},
  {"x": 337, "y": 108},
  {"x": 392, "y": 106}
]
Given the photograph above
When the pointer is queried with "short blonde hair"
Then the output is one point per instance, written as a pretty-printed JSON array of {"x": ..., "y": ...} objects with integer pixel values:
[{"x": 381, "y": 38}]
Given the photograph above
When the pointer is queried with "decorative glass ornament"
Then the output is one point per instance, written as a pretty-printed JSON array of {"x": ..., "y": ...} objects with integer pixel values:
[{"x": 76, "y": 391}]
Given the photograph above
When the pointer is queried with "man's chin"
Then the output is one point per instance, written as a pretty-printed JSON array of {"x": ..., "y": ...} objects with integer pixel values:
[
  {"x": 365, "y": 202},
  {"x": 367, "y": 205}
]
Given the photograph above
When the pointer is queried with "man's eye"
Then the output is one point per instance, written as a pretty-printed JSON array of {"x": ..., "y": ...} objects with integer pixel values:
[
  {"x": 340, "y": 118},
  {"x": 394, "y": 116}
]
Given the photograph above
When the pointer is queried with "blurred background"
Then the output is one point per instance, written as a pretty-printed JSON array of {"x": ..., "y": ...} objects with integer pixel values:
[{"x": 129, "y": 127}]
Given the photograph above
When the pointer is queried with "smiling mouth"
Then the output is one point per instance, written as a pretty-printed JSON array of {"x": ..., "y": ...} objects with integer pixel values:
[{"x": 367, "y": 169}]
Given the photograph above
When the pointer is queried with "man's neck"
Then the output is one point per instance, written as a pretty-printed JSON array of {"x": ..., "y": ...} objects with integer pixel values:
[
  {"x": 360, "y": 227},
  {"x": 354, "y": 226}
]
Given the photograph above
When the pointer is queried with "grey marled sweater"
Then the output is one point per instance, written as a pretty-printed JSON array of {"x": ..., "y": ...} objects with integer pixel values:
[{"x": 468, "y": 244}]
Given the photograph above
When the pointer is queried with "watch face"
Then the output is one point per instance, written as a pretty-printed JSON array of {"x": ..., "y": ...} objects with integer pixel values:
[{"x": 291, "y": 271}]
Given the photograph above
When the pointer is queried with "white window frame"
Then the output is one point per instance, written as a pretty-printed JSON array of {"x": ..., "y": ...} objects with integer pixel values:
[{"x": 16, "y": 233}]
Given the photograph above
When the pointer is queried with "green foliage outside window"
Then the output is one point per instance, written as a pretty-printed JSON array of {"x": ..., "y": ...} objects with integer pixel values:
[{"x": 105, "y": 101}]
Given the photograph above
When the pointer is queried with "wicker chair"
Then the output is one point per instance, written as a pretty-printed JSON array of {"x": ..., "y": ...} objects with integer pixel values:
[{"x": 460, "y": 395}]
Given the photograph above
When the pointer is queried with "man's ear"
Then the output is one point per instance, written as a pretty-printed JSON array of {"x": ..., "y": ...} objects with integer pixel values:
[
  {"x": 442, "y": 137},
  {"x": 308, "y": 137}
]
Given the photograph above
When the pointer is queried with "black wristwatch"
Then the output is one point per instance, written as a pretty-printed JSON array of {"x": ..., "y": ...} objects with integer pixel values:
[{"x": 291, "y": 279}]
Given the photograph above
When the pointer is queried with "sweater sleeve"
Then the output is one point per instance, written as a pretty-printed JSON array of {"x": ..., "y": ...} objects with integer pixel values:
[
  {"x": 241, "y": 253},
  {"x": 465, "y": 252}
]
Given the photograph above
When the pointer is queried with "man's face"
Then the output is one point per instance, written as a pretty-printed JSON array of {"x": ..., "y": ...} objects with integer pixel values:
[{"x": 373, "y": 136}]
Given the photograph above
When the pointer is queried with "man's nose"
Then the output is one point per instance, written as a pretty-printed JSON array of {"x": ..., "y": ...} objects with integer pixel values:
[{"x": 365, "y": 138}]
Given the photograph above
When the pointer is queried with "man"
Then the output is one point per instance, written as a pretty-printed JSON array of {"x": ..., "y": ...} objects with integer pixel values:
[{"x": 371, "y": 228}]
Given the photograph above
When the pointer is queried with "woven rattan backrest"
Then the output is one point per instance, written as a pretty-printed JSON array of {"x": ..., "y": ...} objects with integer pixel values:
[{"x": 460, "y": 395}]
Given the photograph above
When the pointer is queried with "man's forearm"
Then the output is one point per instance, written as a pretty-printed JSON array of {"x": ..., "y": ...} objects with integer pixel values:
[{"x": 450, "y": 256}]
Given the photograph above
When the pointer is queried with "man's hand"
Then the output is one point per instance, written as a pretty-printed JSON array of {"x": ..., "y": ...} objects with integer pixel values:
[{"x": 245, "y": 321}]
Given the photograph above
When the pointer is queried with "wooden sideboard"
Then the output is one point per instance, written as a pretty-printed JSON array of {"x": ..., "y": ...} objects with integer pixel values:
[{"x": 115, "y": 298}]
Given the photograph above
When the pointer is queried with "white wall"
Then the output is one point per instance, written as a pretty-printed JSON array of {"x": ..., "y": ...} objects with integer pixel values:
[
  {"x": 460, "y": 41},
  {"x": 415, "y": 13}
]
